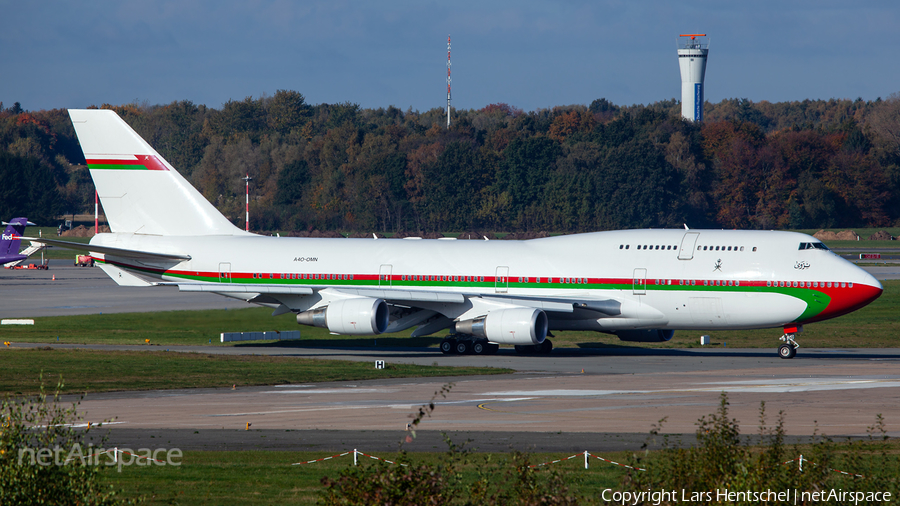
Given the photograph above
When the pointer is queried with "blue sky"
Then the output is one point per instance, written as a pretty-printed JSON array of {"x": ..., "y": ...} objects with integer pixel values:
[{"x": 528, "y": 53}]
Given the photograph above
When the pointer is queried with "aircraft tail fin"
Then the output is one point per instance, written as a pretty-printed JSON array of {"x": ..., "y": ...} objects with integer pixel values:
[
  {"x": 140, "y": 192},
  {"x": 12, "y": 237}
]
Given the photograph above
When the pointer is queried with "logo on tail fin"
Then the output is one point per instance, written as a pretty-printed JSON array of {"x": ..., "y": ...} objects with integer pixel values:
[{"x": 134, "y": 162}]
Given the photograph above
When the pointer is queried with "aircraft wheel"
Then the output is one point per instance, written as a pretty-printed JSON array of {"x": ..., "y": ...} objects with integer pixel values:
[
  {"x": 545, "y": 347},
  {"x": 523, "y": 349},
  {"x": 479, "y": 348},
  {"x": 463, "y": 347},
  {"x": 448, "y": 346},
  {"x": 786, "y": 351},
  {"x": 491, "y": 348}
]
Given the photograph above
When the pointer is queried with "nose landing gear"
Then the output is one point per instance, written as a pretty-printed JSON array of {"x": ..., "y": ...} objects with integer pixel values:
[{"x": 789, "y": 348}]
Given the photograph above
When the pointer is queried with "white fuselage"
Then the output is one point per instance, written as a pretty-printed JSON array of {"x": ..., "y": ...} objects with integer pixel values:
[{"x": 663, "y": 279}]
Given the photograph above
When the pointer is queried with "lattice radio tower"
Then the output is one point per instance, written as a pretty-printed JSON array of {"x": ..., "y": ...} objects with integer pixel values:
[{"x": 448, "y": 81}]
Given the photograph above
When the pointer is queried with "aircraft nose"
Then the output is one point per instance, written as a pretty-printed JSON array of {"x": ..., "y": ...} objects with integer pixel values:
[
  {"x": 874, "y": 283},
  {"x": 867, "y": 288},
  {"x": 859, "y": 290}
]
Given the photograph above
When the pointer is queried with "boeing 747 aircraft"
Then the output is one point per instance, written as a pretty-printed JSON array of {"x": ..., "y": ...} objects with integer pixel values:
[{"x": 640, "y": 285}]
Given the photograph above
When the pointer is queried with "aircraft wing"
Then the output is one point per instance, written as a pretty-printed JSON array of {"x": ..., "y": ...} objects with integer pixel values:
[
  {"x": 107, "y": 250},
  {"x": 428, "y": 310},
  {"x": 414, "y": 298},
  {"x": 405, "y": 296},
  {"x": 240, "y": 288}
]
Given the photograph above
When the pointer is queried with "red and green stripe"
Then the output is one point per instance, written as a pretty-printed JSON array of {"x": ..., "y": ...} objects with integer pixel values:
[{"x": 139, "y": 162}]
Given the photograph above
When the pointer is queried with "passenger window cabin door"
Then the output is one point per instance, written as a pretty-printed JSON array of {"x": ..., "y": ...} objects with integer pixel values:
[
  {"x": 639, "y": 284},
  {"x": 225, "y": 272},
  {"x": 501, "y": 280},
  {"x": 384, "y": 275},
  {"x": 688, "y": 243}
]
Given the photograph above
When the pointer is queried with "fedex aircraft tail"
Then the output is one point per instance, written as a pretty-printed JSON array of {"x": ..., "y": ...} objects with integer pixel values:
[
  {"x": 12, "y": 239},
  {"x": 140, "y": 192}
]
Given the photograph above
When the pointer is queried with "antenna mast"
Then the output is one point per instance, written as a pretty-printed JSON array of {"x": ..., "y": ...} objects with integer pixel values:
[
  {"x": 247, "y": 219},
  {"x": 448, "y": 81}
]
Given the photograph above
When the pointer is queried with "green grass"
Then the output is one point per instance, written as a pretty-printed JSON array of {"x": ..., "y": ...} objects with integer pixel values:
[
  {"x": 863, "y": 244},
  {"x": 267, "y": 477},
  {"x": 862, "y": 232},
  {"x": 99, "y": 371},
  {"x": 174, "y": 328}
]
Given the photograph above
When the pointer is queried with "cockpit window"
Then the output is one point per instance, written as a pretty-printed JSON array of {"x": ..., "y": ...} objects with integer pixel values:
[{"x": 813, "y": 245}]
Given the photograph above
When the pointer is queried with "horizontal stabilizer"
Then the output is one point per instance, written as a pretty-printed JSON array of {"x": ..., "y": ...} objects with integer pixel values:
[
  {"x": 123, "y": 277},
  {"x": 106, "y": 250}
]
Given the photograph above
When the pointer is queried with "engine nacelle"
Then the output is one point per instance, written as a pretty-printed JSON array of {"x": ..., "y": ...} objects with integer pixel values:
[
  {"x": 357, "y": 316},
  {"x": 645, "y": 336},
  {"x": 508, "y": 326}
]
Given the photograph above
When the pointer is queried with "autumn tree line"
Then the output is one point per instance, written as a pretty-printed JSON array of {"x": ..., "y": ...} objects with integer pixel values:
[{"x": 339, "y": 167}]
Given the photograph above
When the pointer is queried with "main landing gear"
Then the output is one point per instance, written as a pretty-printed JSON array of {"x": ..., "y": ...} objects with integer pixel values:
[
  {"x": 464, "y": 344},
  {"x": 789, "y": 348}
]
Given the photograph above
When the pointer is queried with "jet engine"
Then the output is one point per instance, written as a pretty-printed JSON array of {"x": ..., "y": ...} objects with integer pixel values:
[
  {"x": 508, "y": 326},
  {"x": 356, "y": 316},
  {"x": 645, "y": 336}
]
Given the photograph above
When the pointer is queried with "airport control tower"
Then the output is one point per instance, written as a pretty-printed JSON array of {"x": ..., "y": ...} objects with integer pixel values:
[{"x": 692, "y": 55}]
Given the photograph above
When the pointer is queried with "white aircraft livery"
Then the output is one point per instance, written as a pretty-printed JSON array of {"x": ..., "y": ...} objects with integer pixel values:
[{"x": 640, "y": 285}]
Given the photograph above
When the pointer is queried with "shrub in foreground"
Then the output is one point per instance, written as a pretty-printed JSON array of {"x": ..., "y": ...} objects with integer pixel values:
[
  {"x": 721, "y": 461},
  {"x": 42, "y": 424}
]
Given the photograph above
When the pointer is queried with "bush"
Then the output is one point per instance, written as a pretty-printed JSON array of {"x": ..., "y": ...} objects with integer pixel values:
[
  {"x": 722, "y": 461},
  {"x": 34, "y": 424},
  {"x": 505, "y": 482},
  {"x": 496, "y": 483}
]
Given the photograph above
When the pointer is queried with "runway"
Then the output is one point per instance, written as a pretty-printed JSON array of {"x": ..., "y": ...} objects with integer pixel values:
[
  {"x": 837, "y": 394},
  {"x": 88, "y": 290}
]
